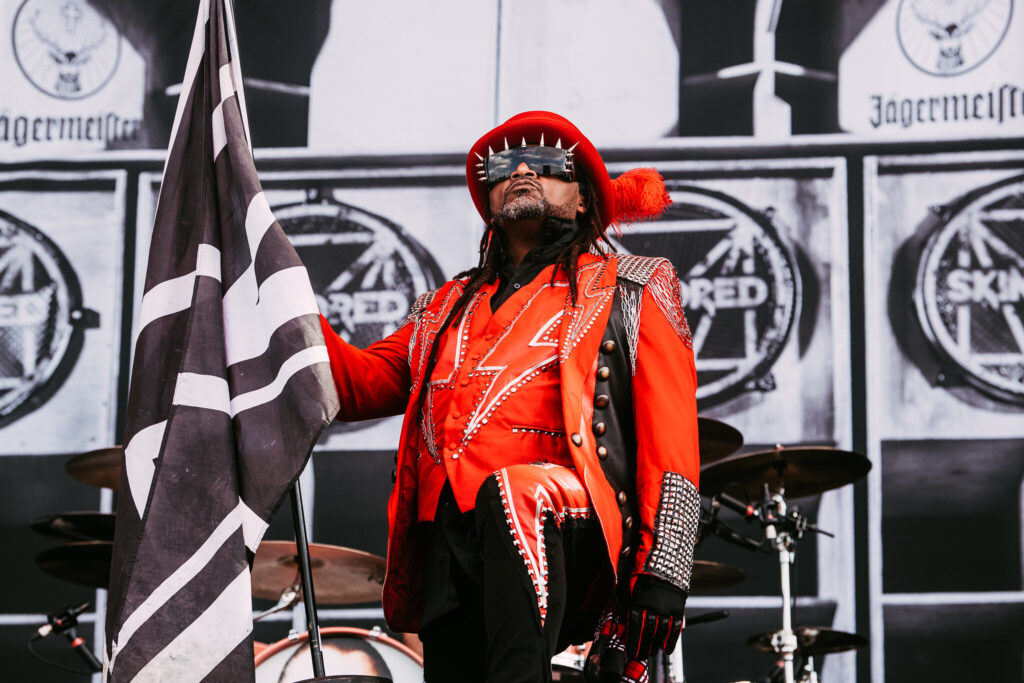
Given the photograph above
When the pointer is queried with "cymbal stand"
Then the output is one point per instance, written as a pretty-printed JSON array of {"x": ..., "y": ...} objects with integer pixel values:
[
  {"x": 773, "y": 513},
  {"x": 782, "y": 527},
  {"x": 289, "y": 598},
  {"x": 809, "y": 675}
]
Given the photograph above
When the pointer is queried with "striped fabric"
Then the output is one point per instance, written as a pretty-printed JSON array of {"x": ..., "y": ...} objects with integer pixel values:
[{"x": 230, "y": 388}]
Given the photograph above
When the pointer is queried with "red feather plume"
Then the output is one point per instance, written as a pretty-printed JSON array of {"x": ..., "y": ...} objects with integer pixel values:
[{"x": 639, "y": 194}]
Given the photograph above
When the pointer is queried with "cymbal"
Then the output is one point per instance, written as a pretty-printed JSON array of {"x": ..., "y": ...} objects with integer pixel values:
[
  {"x": 101, "y": 467},
  {"x": 341, "y": 576},
  {"x": 709, "y": 577},
  {"x": 86, "y": 563},
  {"x": 717, "y": 440},
  {"x": 76, "y": 526},
  {"x": 812, "y": 640},
  {"x": 801, "y": 470}
]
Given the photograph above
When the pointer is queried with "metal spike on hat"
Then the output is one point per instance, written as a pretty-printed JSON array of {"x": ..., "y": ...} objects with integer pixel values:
[
  {"x": 490, "y": 152},
  {"x": 572, "y": 148},
  {"x": 478, "y": 156},
  {"x": 542, "y": 139},
  {"x": 524, "y": 143},
  {"x": 558, "y": 145},
  {"x": 506, "y": 143}
]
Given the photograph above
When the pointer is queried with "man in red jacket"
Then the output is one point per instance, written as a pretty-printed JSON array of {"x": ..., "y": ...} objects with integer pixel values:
[{"x": 547, "y": 468}]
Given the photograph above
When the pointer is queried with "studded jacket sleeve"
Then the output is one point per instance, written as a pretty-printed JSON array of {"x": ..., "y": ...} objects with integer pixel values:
[
  {"x": 371, "y": 382},
  {"x": 665, "y": 409}
]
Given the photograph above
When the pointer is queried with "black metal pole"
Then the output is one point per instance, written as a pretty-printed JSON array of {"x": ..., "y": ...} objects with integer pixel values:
[{"x": 302, "y": 551}]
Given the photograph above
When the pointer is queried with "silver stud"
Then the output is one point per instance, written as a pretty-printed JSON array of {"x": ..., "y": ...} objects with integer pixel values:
[
  {"x": 478, "y": 156},
  {"x": 558, "y": 145},
  {"x": 524, "y": 143},
  {"x": 506, "y": 143},
  {"x": 542, "y": 139},
  {"x": 490, "y": 152},
  {"x": 573, "y": 147}
]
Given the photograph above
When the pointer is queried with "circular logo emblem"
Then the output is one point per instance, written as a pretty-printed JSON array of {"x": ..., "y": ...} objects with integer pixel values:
[
  {"x": 40, "y": 315},
  {"x": 950, "y": 37},
  {"x": 740, "y": 287},
  {"x": 366, "y": 271},
  {"x": 65, "y": 48},
  {"x": 970, "y": 290}
]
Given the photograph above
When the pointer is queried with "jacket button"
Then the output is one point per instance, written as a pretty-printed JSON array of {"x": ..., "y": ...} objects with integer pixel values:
[
  {"x": 622, "y": 497},
  {"x": 628, "y": 522},
  {"x": 394, "y": 476},
  {"x": 627, "y": 551},
  {"x": 602, "y": 401},
  {"x": 608, "y": 346},
  {"x": 603, "y": 373},
  {"x": 600, "y": 428},
  {"x": 602, "y": 452},
  {"x": 577, "y": 440}
]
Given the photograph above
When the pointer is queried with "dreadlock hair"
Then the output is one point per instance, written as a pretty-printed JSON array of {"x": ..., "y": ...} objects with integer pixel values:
[{"x": 589, "y": 236}]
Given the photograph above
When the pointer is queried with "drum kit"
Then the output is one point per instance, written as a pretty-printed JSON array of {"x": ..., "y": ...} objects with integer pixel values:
[{"x": 758, "y": 485}]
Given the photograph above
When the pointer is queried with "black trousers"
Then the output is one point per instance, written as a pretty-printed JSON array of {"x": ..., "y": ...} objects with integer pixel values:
[{"x": 485, "y": 625}]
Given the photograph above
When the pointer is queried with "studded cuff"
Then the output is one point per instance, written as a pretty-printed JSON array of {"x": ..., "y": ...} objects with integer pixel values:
[{"x": 675, "y": 531}]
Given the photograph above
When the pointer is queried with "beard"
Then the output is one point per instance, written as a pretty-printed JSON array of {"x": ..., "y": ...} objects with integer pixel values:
[
  {"x": 531, "y": 208},
  {"x": 522, "y": 209}
]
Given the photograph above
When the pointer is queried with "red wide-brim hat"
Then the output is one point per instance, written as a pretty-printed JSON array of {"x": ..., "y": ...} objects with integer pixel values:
[{"x": 635, "y": 195}]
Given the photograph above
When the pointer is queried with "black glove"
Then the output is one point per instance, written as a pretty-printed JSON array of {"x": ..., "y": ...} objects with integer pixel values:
[
  {"x": 606, "y": 661},
  {"x": 655, "y": 616}
]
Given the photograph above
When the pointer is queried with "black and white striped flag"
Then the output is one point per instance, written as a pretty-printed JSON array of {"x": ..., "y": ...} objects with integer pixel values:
[{"x": 230, "y": 388}]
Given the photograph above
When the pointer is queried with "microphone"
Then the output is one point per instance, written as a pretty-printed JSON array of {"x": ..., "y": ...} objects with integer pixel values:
[
  {"x": 737, "y": 505},
  {"x": 59, "y": 621},
  {"x": 727, "y": 533}
]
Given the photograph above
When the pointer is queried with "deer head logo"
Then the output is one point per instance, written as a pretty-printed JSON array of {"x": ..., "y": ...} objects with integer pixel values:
[
  {"x": 65, "y": 47},
  {"x": 949, "y": 37}
]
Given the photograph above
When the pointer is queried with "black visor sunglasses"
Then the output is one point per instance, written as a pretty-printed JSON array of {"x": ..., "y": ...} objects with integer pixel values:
[{"x": 553, "y": 162}]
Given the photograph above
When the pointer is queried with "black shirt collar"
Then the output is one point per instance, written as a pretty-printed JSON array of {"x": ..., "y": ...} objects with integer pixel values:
[{"x": 558, "y": 233}]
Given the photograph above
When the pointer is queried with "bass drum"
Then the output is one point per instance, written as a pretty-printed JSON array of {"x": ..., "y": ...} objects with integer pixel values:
[{"x": 347, "y": 651}]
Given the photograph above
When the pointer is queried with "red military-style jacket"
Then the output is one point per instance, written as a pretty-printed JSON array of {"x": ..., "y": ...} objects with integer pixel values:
[{"x": 628, "y": 409}]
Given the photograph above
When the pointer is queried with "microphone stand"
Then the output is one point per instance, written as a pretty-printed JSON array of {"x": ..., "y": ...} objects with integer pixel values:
[{"x": 306, "y": 576}]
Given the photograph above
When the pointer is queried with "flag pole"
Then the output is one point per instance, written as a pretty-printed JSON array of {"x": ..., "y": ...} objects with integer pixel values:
[{"x": 306, "y": 574}]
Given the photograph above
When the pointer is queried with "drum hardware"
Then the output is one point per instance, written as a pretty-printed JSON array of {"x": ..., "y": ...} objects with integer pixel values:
[
  {"x": 672, "y": 665},
  {"x": 771, "y": 476},
  {"x": 289, "y": 598},
  {"x": 353, "y": 654},
  {"x": 717, "y": 440},
  {"x": 797, "y": 472},
  {"x": 707, "y": 617},
  {"x": 343, "y": 576},
  {"x": 568, "y": 664},
  {"x": 783, "y": 527},
  {"x": 85, "y": 563},
  {"x": 708, "y": 577},
  {"x": 65, "y": 623},
  {"x": 101, "y": 467},
  {"x": 710, "y": 524},
  {"x": 812, "y": 640},
  {"x": 76, "y": 526}
]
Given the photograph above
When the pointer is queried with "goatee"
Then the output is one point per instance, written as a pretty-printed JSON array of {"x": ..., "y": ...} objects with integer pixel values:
[{"x": 522, "y": 209}]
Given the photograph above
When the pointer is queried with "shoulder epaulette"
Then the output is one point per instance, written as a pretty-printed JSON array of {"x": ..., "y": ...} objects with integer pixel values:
[
  {"x": 420, "y": 305},
  {"x": 658, "y": 277},
  {"x": 638, "y": 269}
]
